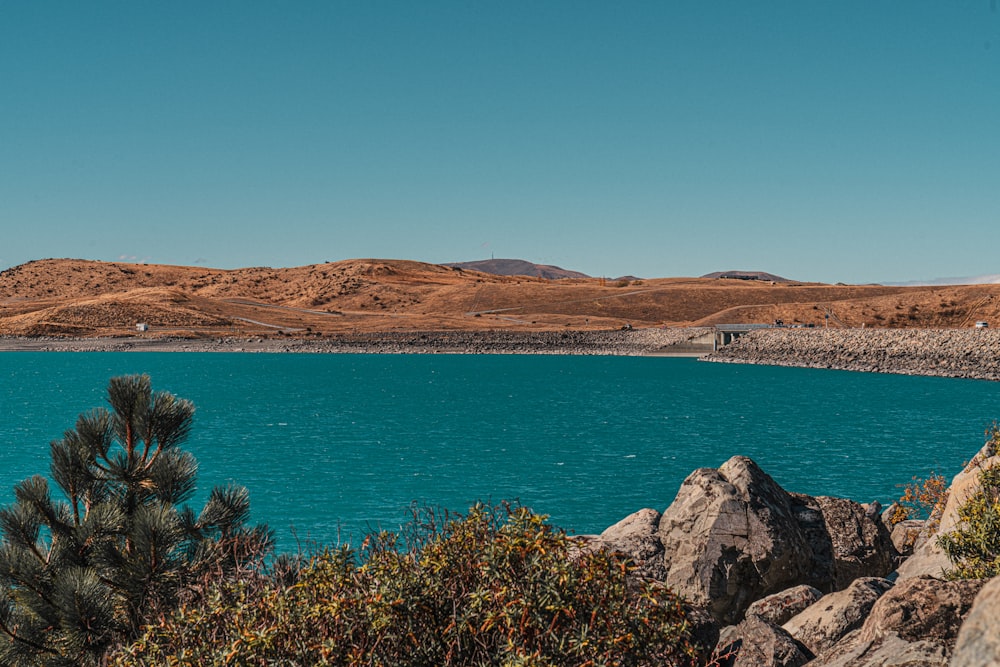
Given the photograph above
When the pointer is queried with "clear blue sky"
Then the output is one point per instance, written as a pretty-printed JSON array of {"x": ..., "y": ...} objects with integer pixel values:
[{"x": 836, "y": 141}]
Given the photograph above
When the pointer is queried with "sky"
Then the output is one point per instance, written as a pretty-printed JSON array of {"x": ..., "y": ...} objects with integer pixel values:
[{"x": 848, "y": 141}]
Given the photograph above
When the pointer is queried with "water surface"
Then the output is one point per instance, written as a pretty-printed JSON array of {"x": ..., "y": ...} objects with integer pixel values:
[{"x": 331, "y": 445}]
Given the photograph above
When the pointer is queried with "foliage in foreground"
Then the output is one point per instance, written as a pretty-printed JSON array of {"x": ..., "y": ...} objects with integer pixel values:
[
  {"x": 498, "y": 586},
  {"x": 974, "y": 547},
  {"x": 83, "y": 570},
  {"x": 922, "y": 498}
]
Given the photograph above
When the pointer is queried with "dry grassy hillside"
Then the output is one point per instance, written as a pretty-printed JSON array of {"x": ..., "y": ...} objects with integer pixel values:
[{"x": 85, "y": 298}]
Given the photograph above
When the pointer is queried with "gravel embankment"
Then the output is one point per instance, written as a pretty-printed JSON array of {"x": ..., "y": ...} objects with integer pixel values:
[
  {"x": 961, "y": 353},
  {"x": 631, "y": 342}
]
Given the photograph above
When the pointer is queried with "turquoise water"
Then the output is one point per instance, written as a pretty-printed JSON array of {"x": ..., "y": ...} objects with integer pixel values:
[{"x": 332, "y": 445}]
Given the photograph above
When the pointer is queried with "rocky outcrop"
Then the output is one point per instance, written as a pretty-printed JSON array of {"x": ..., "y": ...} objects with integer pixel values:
[
  {"x": 916, "y": 623},
  {"x": 733, "y": 536},
  {"x": 730, "y": 538},
  {"x": 978, "y": 641},
  {"x": 798, "y": 578},
  {"x": 965, "y": 353}
]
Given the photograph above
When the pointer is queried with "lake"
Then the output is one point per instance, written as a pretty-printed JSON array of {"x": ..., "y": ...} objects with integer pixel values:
[{"x": 331, "y": 446}]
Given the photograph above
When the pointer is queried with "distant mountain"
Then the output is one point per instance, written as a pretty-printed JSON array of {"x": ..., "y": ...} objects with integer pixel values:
[
  {"x": 518, "y": 267},
  {"x": 748, "y": 275}
]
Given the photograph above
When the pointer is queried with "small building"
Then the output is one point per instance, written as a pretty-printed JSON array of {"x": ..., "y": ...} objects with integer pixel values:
[{"x": 142, "y": 326}]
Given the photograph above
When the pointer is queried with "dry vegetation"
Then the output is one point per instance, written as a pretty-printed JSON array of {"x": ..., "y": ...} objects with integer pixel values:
[{"x": 85, "y": 298}]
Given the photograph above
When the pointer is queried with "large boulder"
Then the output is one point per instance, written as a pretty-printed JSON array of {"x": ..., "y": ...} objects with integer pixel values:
[
  {"x": 846, "y": 540},
  {"x": 833, "y": 616},
  {"x": 730, "y": 538},
  {"x": 733, "y": 536},
  {"x": 979, "y": 639},
  {"x": 916, "y": 623}
]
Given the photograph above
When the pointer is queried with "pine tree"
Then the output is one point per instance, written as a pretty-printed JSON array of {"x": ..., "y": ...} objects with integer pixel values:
[{"x": 82, "y": 570}]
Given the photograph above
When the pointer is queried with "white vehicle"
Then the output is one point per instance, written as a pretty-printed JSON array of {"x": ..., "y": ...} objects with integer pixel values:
[{"x": 981, "y": 324}]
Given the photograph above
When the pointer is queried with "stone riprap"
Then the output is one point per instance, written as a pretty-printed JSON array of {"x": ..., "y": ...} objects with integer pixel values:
[
  {"x": 961, "y": 353},
  {"x": 631, "y": 342}
]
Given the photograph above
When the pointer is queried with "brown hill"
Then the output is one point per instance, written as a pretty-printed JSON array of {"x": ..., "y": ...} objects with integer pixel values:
[{"x": 85, "y": 298}]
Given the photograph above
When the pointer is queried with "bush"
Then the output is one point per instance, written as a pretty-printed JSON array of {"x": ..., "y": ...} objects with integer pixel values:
[
  {"x": 923, "y": 498},
  {"x": 81, "y": 573},
  {"x": 498, "y": 586},
  {"x": 974, "y": 547}
]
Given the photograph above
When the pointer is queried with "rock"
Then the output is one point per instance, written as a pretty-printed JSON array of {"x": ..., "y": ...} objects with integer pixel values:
[
  {"x": 860, "y": 545},
  {"x": 758, "y": 643},
  {"x": 778, "y": 608},
  {"x": 905, "y": 534},
  {"x": 889, "y": 513},
  {"x": 890, "y": 652},
  {"x": 915, "y": 623},
  {"x": 702, "y": 625},
  {"x": 636, "y": 536},
  {"x": 827, "y": 621},
  {"x": 978, "y": 641},
  {"x": 730, "y": 538},
  {"x": 873, "y": 509},
  {"x": 733, "y": 536}
]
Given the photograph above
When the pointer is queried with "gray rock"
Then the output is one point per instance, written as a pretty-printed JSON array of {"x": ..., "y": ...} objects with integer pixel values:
[
  {"x": 915, "y": 623},
  {"x": 978, "y": 641},
  {"x": 758, "y": 643},
  {"x": 891, "y": 651},
  {"x": 779, "y": 608},
  {"x": 730, "y": 538},
  {"x": 860, "y": 545},
  {"x": 636, "y": 536},
  {"x": 823, "y": 624},
  {"x": 733, "y": 536},
  {"x": 905, "y": 534}
]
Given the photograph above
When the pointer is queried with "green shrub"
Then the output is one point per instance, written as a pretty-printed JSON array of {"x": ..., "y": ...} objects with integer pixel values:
[
  {"x": 498, "y": 586},
  {"x": 974, "y": 547}
]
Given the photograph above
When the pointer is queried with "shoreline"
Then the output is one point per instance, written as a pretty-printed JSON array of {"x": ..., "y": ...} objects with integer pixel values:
[
  {"x": 952, "y": 353},
  {"x": 632, "y": 342},
  {"x": 972, "y": 354}
]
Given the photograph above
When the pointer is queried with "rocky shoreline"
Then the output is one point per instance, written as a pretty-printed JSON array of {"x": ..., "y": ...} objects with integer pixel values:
[
  {"x": 775, "y": 578},
  {"x": 631, "y": 342},
  {"x": 957, "y": 353}
]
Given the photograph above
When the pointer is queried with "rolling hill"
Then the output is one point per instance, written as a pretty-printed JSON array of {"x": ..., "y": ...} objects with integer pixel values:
[{"x": 71, "y": 297}]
